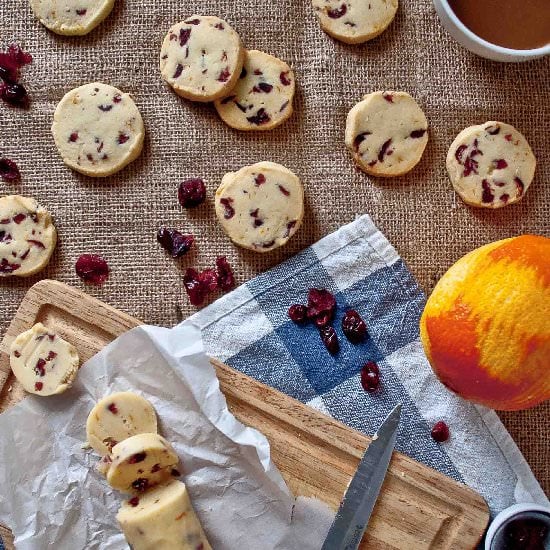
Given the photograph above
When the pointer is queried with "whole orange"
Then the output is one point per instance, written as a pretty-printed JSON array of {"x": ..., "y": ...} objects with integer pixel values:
[{"x": 486, "y": 326}]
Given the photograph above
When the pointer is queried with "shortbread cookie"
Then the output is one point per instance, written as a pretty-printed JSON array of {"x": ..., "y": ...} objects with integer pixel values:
[
  {"x": 490, "y": 165},
  {"x": 118, "y": 417},
  {"x": 27, "y": 236},
  {"x": 71, "y": 17},
  {"x": 261, "y": 206},
  {"x": 44, "y": 363},
  {"x": 201, "y": 58},
  {"x": 355, "y": 21},
  {"x": 140, "y": 462},
  {"x": 98, "y": 129},
  {"x": 262, "y": 98},
  {"x": 162, "y": 519},
  {"x": 387, "y": 133}
]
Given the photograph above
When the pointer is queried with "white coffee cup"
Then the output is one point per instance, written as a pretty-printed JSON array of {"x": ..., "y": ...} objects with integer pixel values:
[
  {"x": 508, "y": 514},
  {"x": 477, "y": 45}
]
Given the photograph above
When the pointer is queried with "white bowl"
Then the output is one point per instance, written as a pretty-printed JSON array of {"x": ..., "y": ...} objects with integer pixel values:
[
  {"x": 477, "y": 45},
  {"x": 505, "y": 515}
]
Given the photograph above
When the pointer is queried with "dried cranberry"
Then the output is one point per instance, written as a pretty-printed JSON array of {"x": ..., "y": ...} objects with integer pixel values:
[
  {"x": 500, "y": 164},
  {"x": 155, "y": 469},
  {"x": 6, "y": 267},
  {"x": 224, "y": 75},
  {"x": 359, "y": 138},
  {"x": 283, "y": 77},
  {"x": 459, "y": 152},
  {"x": 226, "y": 279},
  {"x": 487, "y": 195},
  {"x": 418, "y": 133},
  {"x": 284, "y": 190},
  {"x": 38, "y": 386},
  {"x": 9, "y": 171},
  {"x": 193, "y": 22},
  {"x": 51, "y": 355},
  {"x": 175, "y": 473},
  {"x": 320, "y": 304},
  {"x": 40, "y": 368},
  {"x": 122, "y": 138},
  {"x": 192, "y": 192},
  {"x": 92, "y": 269},
  {"x": 140, "y": 484},
  {"x": 388, "y": 97},
  {"x": 209, "y": 280},
  {"x": 261, "y": 117},
  {"x": 298, "y": 313},
  {"x": 178, "y": 71},
  {"x": 15, "y": 94},
  {"x": 174, "y": 242},
  {"x": 112, "y": 408},
  {"x": 440, "y": 431},
  {"x": 81, "y": 12},
  {"x": 194, "y": 287},
  {"x": 18, "y": 218},
  {"x": 259, "y": 180},
  {"x": 384, "y": 150},
  {"x": 184, "y": 36},
  {"x": 138, "y": 457},
  {"x": 263, "y": 87},
  {"x": 354, "y": 327},
  {"x": 338, "y": 12},
  {"x": 134, "y": 501},
  {"x": 329, "y": 338},
  {"x": 370, "y": 377},
  {"x": 229, "y": 211}
]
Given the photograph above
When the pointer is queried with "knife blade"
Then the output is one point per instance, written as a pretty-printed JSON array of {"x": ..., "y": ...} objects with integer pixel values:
[{"x": 356, "y": 507}]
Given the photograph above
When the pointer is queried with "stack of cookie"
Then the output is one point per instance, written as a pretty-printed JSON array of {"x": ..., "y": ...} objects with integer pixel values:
[{"x": 203, "y": 59}]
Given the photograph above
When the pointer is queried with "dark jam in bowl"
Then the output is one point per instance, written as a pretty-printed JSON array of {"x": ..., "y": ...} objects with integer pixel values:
[
  {"x": 516, "y": 24},
  {"x": 524, "y": 531}
]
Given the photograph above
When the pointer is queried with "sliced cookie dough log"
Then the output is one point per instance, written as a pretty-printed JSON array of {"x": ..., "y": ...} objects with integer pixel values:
[
  {"x": 490, "y": 165},
  {"x": 387, "y": 133},
  {"x": 263, "y": 96},
  {"x": 201, "y": 58},
  {"x": 261, "y": 206},
  {"x": 140, "y": 462},
  {"x": 71, "y": 17},
  {"x": 27, "y": 236},
  {"x": 355, "y": 21},
  {"x": 43, "y": 362},
  {"x": 162, "y": 519},
  {"x": 98, "y": 129},
  {"x": 117, "y": 417}
]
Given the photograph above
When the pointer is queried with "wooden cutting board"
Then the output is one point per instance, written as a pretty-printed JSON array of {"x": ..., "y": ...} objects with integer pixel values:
[{"x": 418, "y": 507}]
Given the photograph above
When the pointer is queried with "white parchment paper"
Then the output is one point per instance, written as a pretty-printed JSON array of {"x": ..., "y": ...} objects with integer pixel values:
[{"x": 51, "y": 495}]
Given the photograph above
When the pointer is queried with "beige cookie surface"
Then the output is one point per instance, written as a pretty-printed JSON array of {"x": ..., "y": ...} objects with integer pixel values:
[
  {"x": 71, "y": 17},
  {"x": 261, "y": 206},
  {"x": 117, "y": 417},
  {"x": 491, "y": 165},
  {"x": 162, "y": 519},
  {"x": 201, "y": 58},
  {"x": 27, "y": 236},
  {"x": 140, "y": 462},
  {"x": 262, "y": 98},
  {"x": 98, "y": 129},
  {"x": 387, "y": 133},
  {"x": 43, "y": 362},
  {"x": 355, "y": 21}
]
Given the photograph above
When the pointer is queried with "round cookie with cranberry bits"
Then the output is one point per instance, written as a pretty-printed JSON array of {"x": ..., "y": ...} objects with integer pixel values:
[
  {"x": 387, "y": 133},
  {"x": 43, "y": 362},
  {"x": 262, "y": 98},
  {"x": 355, "y": 21},
  {"x": 71, "y": 17},
  {"x": 27, "y": 236},
  {"x": 261, "y": 206},
  {"x": 201, "y": 58},
  {"x": 98, "y": 129},
  {"x": 491, "y": 165}
]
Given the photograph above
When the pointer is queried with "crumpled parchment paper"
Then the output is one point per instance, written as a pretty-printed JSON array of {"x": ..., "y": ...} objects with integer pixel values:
[{"x": 52, "y": 496}]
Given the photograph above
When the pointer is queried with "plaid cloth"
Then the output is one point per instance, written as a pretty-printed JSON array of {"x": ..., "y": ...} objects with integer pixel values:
[{"x": 249, "y": 329}]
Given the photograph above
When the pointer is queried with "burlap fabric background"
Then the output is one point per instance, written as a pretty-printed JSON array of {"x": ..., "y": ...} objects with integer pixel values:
[{"x": 118, "y": 217}]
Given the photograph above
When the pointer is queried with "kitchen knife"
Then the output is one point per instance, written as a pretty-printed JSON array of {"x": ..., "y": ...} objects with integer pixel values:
[{"x": 356, "y": 507}]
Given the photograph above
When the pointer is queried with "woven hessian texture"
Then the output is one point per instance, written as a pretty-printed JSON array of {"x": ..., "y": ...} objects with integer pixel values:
[{"x": 118, "y": 217}]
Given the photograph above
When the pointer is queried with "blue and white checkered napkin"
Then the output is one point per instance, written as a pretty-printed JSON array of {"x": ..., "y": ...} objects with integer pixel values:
[{"x": 249, "y": 329}]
